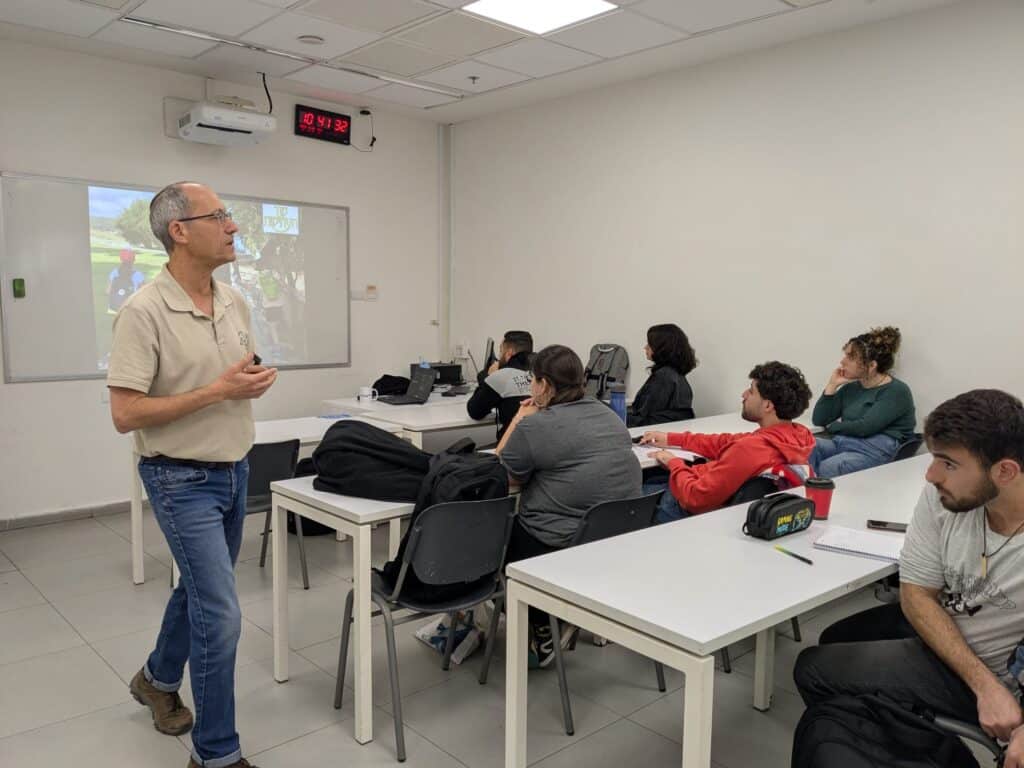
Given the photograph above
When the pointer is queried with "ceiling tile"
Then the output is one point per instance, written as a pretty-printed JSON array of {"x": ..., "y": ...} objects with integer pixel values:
[
  {"x": 230, "y": 61},
  {"x": 537, "y": 58},
  {"x": 617, "y": 35},
  {"x": 459, "y": 76},
  {"x": 135, "y": 36},
  {"x": 282, "y": 33},
  {"x": 115, "y": 4},
  {"x": 699, "y": 15},
  {"x": 413, "y": 97},
  {"x": 394, "y": 57},
  {"x": 223, "y": 17},
  {"x": 378, "y": 15},
  {"x": 57, "y": 15},
  {"x": 325, "y": 77},
  {"x": 459, "y": 35}
]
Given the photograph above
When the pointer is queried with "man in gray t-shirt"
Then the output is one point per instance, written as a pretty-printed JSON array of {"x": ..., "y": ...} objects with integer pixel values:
[{"x": 953, "y": 646}]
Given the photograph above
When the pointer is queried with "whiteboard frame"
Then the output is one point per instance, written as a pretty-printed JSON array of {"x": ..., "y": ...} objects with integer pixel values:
[{"x": 99, "y": 375}]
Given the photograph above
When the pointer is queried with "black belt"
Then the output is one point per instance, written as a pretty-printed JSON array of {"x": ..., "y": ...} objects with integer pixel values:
[{"x": 169, "y": 461}]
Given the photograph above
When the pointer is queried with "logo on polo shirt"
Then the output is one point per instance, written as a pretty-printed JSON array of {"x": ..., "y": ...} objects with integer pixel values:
[{"x": 243, "y": 339}]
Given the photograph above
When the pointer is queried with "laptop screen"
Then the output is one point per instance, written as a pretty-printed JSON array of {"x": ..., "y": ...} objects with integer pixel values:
[{"x": 422, "y": 382}]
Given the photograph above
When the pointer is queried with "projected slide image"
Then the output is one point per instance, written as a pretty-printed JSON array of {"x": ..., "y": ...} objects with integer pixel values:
[{"x": 268, "y": 270}]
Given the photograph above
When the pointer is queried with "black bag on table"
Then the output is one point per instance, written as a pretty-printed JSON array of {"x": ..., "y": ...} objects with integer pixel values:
[
  {"x": 358, "y": 459},
  {"x": 869, "y": 732},
  {"x": 391, "y": 385},
  {"x": 457, "y": 473}
]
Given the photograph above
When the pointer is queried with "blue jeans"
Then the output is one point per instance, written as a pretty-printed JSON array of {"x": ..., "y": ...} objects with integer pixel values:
[
  {"x": 840, "y": 455},
  {"x": 668, "y": 509},
  {"x": 201, "y": 512}
]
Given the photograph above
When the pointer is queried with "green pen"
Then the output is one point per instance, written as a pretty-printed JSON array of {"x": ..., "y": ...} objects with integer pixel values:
[{"x": 794, "y": 554}]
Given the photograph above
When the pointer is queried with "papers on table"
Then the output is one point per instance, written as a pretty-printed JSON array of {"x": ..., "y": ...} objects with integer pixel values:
[
  {"x": 877, "y": 546},
  {"x": 642, "y": 452}
]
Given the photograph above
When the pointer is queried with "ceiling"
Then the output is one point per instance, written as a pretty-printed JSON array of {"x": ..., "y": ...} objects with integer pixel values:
[{"x": 427, "y": 57}]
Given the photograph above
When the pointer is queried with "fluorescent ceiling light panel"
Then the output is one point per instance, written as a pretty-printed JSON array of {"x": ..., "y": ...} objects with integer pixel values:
[{"x": 539, "y": 16}]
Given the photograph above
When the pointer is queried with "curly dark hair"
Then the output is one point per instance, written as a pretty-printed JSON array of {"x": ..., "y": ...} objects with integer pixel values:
[
  {"x": 784, "y": 385},
  {"x": 988, "y": 423},
  {"x": 878, "y": 345},
  {"x": 562, "y": 369},
  {"x": 670, "y": 347}
]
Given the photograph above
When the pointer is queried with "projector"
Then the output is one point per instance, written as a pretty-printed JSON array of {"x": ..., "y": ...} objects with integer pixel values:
[{"x": 216, "y": 124}]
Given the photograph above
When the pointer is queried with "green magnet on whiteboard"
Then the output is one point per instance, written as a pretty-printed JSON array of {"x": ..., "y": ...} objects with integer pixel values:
[{"x": 19, "y": 287}]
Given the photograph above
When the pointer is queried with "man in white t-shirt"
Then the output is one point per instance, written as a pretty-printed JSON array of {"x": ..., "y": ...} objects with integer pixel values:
[{"x": 953, "y": 645}]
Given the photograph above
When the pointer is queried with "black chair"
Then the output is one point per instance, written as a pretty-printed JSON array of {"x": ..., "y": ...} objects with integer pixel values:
[
  {"x": 753, "y": 489},
  {"x": 602, "y": 521},
  {"x": 909, "y": 447},
  {"x": 268, "y": 463},
  {"x": 438, "y": 558},
  {"x": 965, "y": 731}
]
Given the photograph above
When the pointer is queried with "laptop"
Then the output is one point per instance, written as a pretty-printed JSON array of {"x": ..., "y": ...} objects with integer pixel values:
[{"x": 419, "y": 389}]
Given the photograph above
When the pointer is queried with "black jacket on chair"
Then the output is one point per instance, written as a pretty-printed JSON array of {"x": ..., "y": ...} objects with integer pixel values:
[
  {"x": 358, "y": 459},
  {"x": 665, "y": 396}
]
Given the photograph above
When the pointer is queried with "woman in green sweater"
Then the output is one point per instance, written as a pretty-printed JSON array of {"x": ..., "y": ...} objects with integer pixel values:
[{"x": 866, "y": 412}]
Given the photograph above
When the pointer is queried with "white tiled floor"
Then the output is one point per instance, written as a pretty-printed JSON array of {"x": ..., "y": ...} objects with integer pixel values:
[{"x": 73, "y": 631}]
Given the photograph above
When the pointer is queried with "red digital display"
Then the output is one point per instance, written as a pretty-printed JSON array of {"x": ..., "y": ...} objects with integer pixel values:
[{"x": 321, "y": 124}]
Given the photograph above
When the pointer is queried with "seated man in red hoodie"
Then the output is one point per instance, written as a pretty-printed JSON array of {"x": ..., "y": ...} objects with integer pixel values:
[{"x": 777, "y": 394}]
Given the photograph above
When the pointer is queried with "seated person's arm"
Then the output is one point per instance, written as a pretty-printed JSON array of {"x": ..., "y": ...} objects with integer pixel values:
[
  {"x": 887, "y": 409},
  {"x": 828, "y": 409},
  {"x": 482, "y": 402},
  {"x": 709, "y": 446},
  {"x": 704, "y": 487},
  {"x": 999, "y": 712}
]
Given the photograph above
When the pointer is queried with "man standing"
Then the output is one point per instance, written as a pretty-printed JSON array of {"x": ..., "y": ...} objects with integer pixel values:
[{"x": 181, "y": 376}]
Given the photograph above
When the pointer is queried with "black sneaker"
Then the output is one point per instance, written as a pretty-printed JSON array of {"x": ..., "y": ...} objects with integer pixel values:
[{"x": 543, "y": 645}]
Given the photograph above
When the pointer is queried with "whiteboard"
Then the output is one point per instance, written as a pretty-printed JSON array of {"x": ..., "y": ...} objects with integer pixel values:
[{"x": 81, "y": 248}]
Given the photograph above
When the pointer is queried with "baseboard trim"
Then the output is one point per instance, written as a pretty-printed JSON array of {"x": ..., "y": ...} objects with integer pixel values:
[{"x": 63, "y": 515}]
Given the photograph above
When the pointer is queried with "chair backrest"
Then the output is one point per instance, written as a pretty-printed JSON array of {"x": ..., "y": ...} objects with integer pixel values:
[
  {"x": 269, "y": 462},
  {"x": 909, "y": 447},
  {"x": 459, "y": 541},
  {"x": 613, "y": 518},
  {"x": 753, "y": 489}
]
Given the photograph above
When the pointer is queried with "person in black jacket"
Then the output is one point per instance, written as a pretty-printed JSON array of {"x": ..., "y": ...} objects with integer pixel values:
[
  {"x": 666, "y": 395},
  {"x": 505, "y": 383}
]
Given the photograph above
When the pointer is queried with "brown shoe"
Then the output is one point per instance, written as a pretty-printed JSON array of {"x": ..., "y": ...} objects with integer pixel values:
[
  {"x": 170, "y": 715},
  {"x": 243, "y": 763}
]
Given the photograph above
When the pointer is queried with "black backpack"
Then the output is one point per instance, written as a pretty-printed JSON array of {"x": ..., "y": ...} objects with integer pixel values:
[
  {"x": 871, "y": 732},
  {"x": 457, "y": 473},
  {"x": 391, "y": 385},
  {"x": 357, "y": 459}
]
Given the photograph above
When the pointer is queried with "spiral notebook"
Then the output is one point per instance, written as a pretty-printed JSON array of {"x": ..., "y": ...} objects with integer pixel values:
[{"x": 877, "y": 546}]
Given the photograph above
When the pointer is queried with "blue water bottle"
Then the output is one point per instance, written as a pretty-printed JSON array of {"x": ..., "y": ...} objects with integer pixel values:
[{"x": 618, "y": 401}]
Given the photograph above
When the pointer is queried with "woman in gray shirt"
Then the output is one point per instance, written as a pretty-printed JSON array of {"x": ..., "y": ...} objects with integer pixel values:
[{"x": 567, "y": 453}]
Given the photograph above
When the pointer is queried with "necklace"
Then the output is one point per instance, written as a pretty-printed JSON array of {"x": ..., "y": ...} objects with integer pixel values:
[{"x": 984, "y": 544}]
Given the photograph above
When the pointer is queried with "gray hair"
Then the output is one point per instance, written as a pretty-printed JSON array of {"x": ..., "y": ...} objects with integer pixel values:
[{"x": 169, "y": 204}]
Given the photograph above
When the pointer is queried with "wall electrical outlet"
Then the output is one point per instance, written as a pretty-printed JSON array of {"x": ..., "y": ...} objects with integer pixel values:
[{"x": 460, "y": 350}]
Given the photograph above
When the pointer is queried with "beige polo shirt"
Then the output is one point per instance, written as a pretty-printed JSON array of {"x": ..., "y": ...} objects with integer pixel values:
[{"x": 163, "y": 345}]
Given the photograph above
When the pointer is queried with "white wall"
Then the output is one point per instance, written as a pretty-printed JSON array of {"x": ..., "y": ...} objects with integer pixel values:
[
  {"x": 772, "y": 204},
  {"x": 65, "y": 114}
]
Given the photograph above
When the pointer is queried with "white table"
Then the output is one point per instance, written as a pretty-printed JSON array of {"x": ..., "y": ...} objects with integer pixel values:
[
  {"x": 627, "y": 590},
  {"x": 348, "y": 515},
  {"x": 309, "y": 430},
  {"x": 418, "y": 421},
  {"x": 352, "y": 405}
]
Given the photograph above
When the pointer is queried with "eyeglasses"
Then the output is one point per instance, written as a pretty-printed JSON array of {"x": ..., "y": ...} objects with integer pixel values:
[{"x": 221, "y": 216}]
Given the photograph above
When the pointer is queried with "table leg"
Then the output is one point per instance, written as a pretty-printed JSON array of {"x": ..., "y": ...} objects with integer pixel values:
[
  {"x": 362, "y": 654},
  {"x": 698, "y": 700},
  {"x": 279, "y": 553},
  {"x": 394, "y": 537},
  {"x": 764, "y": 669},
  {"x": 137, "y": 545},
  {"x": 516, "y": 664}
]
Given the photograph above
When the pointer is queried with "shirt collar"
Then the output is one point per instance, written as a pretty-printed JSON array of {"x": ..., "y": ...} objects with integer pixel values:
[{"x": 178, "y": 300}]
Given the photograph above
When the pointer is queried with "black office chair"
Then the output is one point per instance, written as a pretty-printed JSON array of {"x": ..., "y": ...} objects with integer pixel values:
[
  {"x": 268, "y": 463},
  {"x": 947, "y": 726},
  {"x": 602, "y": 521},
  {"x": 753, "y": 489},
  {"x": 473, "y": 557},
  {"x": 909, "y": 447}
]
